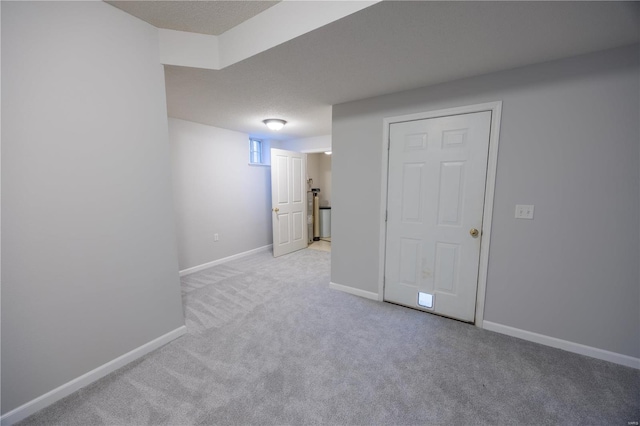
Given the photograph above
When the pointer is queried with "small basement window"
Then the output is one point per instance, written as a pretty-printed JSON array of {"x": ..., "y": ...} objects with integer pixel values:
[{"x": 255, "y": 151}]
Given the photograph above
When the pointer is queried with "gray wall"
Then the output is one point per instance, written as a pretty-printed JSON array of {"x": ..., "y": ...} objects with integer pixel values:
[
  {"x": 217, "y": 191},
  {"x": 89, "y": 262},
  {"x": 569, "y": 144}
]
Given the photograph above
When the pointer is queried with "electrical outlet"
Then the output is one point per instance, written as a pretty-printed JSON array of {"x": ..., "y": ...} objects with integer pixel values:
[
  {"x": 215, "y": 237},
  {"x": 524, "y": 211}
]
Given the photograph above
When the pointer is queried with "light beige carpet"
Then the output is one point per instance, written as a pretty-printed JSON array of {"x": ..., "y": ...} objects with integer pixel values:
[{"x": 321, "y": 245}]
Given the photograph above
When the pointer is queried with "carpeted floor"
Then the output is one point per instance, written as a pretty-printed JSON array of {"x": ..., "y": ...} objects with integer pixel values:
[
  {"x": 323, "y": 244},
  {"x": 270, "y": 344}
]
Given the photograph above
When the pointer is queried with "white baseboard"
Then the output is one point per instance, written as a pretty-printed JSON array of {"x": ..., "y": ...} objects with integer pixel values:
[
  {"x": 578, "y": 348},
  {"x": 355, "y": 291},
  {"x": 68, "y": 388},
  {"x": 223, "y": 260}
]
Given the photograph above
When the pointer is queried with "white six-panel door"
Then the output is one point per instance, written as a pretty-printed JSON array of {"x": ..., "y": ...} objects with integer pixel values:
[
  {"x": 288, "y": 201},
  {"x": 435, "y": 200}
]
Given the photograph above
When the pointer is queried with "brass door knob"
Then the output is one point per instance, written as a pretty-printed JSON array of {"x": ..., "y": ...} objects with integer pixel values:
[
  {"x": 474, "y": 232},
  {"x": 275, "y": 210}
]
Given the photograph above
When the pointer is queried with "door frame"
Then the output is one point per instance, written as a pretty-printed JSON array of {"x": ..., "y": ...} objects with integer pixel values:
[{"x": 487, "y": 213}]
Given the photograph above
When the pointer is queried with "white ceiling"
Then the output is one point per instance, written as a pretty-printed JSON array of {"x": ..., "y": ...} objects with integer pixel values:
[
  {"x": 389, "y": 47},
  {"x": 203, "y": 17}
]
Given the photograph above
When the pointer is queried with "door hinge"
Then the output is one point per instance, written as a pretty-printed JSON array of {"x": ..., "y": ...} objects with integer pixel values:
[{"x": 386, "y": 215}]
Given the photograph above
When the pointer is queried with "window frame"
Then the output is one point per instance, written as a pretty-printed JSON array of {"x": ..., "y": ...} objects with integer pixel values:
[{"x": 257, "y": 151}]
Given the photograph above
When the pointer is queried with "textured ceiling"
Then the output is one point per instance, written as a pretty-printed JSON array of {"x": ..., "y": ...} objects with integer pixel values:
[
  {"x": 389, "y": 47},
  {"x": 204, "y": 17}
]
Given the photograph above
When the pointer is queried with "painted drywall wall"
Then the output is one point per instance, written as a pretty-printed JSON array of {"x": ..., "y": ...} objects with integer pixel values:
[
  {"x": 216, "y": 191},
  {"x": 267, "y": 144},
  {"x": 569, "y": 145},
  {"x": 319, "y": 169},
  {"x": 306, "y": 145},
  {"x": 89, "y": 261},
  {"x": 324, "y": 179},
  {"x": 313, "y": 166}
]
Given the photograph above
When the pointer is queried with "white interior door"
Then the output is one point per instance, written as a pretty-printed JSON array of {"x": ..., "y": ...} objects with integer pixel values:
[
  {"x": 436, "y": 188},
  {"x": 288, "y": 201}
]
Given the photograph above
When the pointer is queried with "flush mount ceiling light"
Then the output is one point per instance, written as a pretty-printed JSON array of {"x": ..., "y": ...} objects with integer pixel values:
[{"x": 274, "y": 123}]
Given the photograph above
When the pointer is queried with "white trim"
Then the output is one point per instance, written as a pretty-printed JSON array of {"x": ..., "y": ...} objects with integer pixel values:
[
  {"x": 68, "y": 388},
  {"x": 566, "y": 345},
  {"x": 492, "y": 164},
  {"x": 354, "y": 291},
  {"x": 224, "y": 260}
]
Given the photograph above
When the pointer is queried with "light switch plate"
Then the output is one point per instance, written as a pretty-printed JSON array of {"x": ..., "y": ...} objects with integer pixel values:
[{"x": 524, "y": 211}]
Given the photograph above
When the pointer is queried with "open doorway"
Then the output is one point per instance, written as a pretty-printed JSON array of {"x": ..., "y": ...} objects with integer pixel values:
[{"x": 319, "y": 200}]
